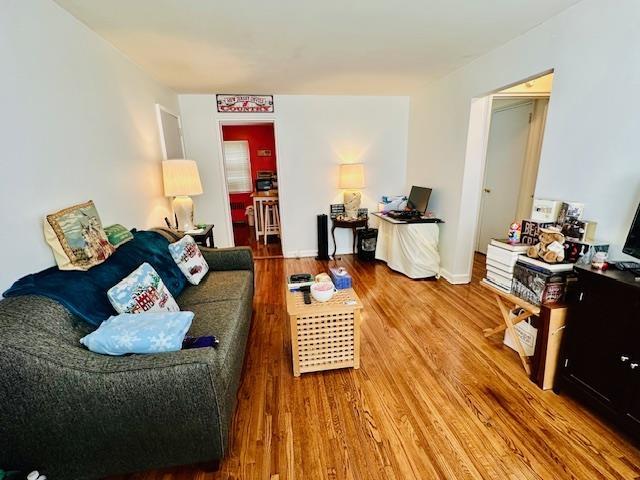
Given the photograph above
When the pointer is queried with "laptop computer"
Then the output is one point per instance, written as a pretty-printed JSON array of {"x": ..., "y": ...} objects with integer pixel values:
[
  {"x": 419, "y": 199},
  {"x": 416, "y": 205}
]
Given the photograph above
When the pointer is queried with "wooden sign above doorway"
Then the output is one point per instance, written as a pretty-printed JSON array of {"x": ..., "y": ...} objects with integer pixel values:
[{"x": 244, "y": 103}]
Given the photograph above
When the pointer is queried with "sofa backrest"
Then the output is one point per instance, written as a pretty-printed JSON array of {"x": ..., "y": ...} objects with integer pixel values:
[
  {"x": 25, "y": 319},
  {"x": 85, "y": 293}
]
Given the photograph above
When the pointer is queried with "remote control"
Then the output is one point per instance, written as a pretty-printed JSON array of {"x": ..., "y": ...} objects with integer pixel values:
[
  {"x": 306, "y": 292},
  {"x": 628, "y": 265}
]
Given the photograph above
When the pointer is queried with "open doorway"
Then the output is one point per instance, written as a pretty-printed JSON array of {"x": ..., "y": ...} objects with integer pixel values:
[
  {"x": 517, "y": 121},
  {"x": 250, "y": 165}
]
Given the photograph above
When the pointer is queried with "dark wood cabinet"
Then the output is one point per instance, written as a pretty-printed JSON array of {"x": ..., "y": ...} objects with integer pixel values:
[
  {"x": 632, "y": 412},
  {"x": 600, "y": 360}
]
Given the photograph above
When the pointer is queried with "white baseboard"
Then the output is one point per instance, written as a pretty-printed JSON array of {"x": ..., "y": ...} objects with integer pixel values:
[
  {"x": 300, "y": 253},
  {"x": 310, "y": 253},
  {"x": 457, "y": 279}
]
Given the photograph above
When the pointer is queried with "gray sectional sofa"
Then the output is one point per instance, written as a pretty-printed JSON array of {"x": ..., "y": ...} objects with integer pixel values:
[{"x": 73, "y": 414}]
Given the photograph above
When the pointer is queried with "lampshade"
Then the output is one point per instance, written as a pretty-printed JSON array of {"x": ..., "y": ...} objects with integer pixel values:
[
  {"x": 180, "y": 178},
  {"x": 351, "y": 176}
]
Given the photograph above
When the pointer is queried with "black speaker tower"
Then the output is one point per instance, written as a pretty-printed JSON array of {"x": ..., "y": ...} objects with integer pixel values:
[{"x": 323, "y": 238}]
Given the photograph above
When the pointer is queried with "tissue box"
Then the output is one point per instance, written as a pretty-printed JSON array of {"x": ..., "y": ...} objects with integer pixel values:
[{"x": 340, "y": 280}]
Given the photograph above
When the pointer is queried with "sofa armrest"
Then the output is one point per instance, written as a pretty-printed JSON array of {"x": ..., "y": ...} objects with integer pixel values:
[{"x": 237, "y": 258}]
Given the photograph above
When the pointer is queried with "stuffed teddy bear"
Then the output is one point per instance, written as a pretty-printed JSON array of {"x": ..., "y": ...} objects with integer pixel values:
[{"x": 550, "y": 247}]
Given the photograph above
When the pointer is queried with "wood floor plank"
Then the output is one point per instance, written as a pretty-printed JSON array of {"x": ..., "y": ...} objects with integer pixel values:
[{"x": 433, "y": 398}]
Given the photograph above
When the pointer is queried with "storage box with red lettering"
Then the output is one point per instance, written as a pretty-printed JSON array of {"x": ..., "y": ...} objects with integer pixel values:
[
  {"x": 535, "y": 283},
  {"x": 531, "y": 231}
]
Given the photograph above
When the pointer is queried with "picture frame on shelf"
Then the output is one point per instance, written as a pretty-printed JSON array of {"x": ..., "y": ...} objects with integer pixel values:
[
  {"x": 363, "y": 213},
  {"x": 336, "y": 210}
]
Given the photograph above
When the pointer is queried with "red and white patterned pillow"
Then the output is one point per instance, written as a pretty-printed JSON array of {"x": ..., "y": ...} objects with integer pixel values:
[
  {"x": 142, "y": 291},
  {"x": 189, "y": 258}
]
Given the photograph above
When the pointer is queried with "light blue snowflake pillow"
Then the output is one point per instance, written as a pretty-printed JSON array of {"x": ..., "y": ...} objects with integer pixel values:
[
  {"x": 153, "y": 332},
  {"x": 189, "y": 259},
  {"x": 142, "y": 291}
]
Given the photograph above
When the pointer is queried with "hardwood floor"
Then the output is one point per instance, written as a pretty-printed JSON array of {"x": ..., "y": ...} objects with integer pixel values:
[
  {"x": 433, "y": 398},
  {"x": 244, "y": 235}
]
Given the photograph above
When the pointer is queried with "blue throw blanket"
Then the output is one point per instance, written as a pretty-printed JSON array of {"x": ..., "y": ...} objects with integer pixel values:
[{"x": 85, "y": 293}]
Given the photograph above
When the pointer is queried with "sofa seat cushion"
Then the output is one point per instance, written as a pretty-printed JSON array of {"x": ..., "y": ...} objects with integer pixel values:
[
  {"x": 216, "y": 287},
  {"x": 229, "y": 321},
  {"x": 216, "y": 318}
]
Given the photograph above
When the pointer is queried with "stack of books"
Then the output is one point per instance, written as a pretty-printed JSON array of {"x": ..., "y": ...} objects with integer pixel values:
[{"x": 501, "y": 259}]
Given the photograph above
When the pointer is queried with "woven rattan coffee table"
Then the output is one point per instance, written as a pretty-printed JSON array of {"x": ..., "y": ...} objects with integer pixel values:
[{"x": 324, "y": 336}]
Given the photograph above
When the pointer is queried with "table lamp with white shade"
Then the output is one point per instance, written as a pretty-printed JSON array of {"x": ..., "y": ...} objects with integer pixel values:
[
  {"x": 352, "y": 180},
  {"x": 181, "y": 179}
]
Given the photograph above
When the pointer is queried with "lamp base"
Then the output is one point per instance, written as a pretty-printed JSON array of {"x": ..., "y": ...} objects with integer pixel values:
[
  {"x": 352, "y": 202},
  {"x": 183, "y": 208}
]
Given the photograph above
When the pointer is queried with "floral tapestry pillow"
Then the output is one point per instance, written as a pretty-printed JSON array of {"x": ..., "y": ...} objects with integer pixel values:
[
  {"x": 142, "y": 291},
  {"x": 189, "y": 259},
  {"x": 77, "y": 238},
  {"x": 118, "y": 234}
]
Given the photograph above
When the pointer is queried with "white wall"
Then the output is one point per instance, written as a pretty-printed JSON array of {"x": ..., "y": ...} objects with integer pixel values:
[
  {"x": 314, "y": 134},
  {"x": 590, "y": 151},
  {"x": 78, "y": 123}
]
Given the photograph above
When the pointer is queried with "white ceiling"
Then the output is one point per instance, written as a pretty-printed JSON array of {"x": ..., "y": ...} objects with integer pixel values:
[{"x": 304, "y": 47}]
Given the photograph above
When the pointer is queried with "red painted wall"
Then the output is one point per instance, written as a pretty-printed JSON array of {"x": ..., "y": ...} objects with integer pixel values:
[{"x": 260, "y": 137}]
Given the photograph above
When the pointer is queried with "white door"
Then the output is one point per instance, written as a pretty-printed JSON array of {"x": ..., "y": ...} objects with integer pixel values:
[{"x": 503, "y": 172}]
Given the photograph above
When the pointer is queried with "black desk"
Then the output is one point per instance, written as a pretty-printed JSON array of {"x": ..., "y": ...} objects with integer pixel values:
[
  {"x": 353, "y": 224},
  {"x": 205, "y": 238}
]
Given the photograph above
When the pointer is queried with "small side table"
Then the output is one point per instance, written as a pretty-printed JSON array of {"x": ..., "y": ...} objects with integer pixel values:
[
  {"x": 205, "y": 238},
  {"x": 324, "y": 335},
  {"x": 508, "y": 322},
  {"x": 353, "y": 224}
]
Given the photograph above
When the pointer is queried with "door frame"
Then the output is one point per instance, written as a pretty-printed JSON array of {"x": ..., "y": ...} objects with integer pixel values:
[
  {"x": 222, "y": 122},
  {"x": 473, "y": 178},
  {"x": 524, "y": 101}
]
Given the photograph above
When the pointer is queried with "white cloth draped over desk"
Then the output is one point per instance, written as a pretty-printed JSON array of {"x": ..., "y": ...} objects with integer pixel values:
[{"x": 409, "y": 248}]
